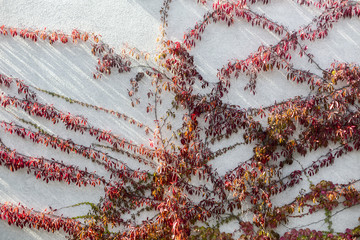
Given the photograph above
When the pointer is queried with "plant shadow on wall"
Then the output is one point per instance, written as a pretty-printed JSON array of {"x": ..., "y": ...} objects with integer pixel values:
[{"x": 178, "y": 192}]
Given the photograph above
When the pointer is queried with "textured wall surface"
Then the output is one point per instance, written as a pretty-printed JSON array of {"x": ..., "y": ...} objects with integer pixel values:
[{"x": 67, "y": 69}]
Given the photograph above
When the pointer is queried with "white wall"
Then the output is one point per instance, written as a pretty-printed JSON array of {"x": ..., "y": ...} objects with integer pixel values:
[{"x": 67, "y": 69}]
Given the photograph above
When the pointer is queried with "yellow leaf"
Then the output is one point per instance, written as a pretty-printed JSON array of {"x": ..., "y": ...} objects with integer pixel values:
[{"x": 247, "y": 176}]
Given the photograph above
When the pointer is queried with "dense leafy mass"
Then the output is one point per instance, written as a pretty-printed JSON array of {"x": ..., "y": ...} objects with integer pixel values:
[{"x": 185, "y": 197}]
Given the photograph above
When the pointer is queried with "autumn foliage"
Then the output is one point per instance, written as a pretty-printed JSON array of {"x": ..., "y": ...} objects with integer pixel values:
[{"x": 186, "y": 197}]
